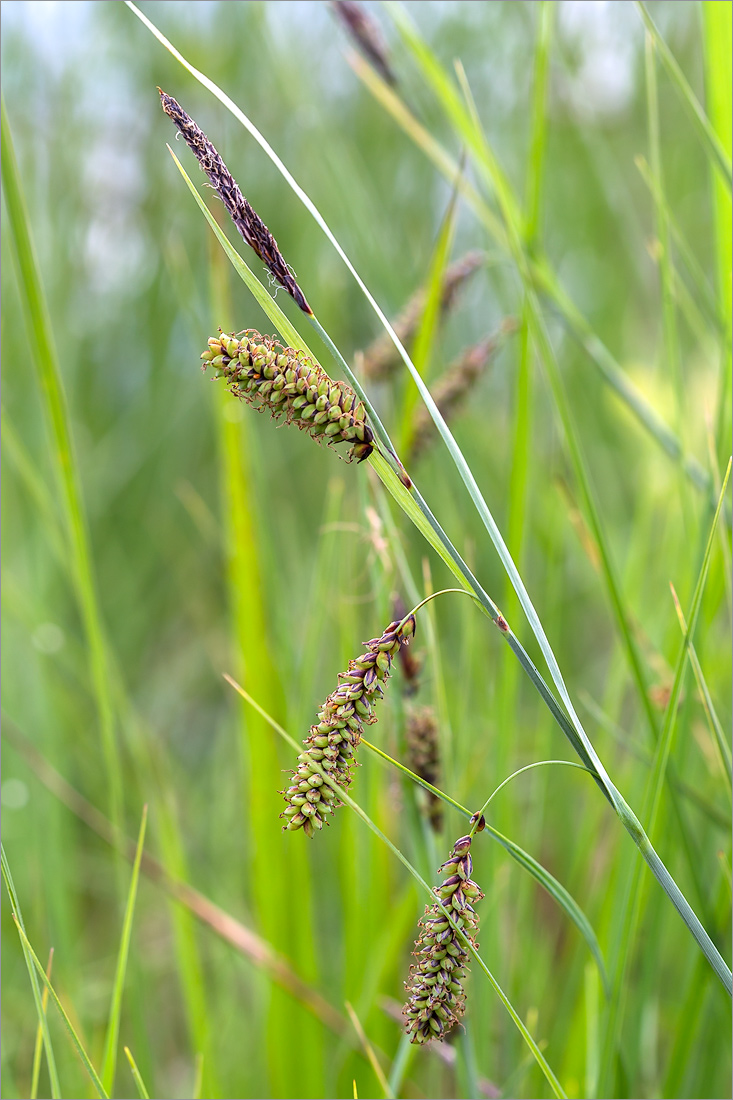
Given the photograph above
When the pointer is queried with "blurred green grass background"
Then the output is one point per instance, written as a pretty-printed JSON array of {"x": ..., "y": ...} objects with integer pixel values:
[{"x": 220, "y": 544}]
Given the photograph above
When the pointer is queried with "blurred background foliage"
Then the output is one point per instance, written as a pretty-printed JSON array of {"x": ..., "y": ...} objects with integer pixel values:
[{"x": 222, "y": 545}]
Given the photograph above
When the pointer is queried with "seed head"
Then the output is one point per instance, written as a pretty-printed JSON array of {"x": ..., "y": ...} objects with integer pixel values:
[
  {"x": 435, "y": 985},
  {"x": 410, "y": 663},
  {"x": 381, "y": 358},
  {"x": 452, "y": 389},
  {"x": 248, "y": 222},
  {"x": 423, "y": 757},
  {"x": 366, "y": 34},
  {"x": 333, "y": 740},
  {"x": 268, "y": 376}
]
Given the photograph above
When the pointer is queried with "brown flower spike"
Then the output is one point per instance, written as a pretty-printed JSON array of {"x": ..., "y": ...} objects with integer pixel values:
[
  {"x": 423, "y": 758},
  {"x": 248, "y": 222},
  {"x": 334, "y": 739},
  {"x": 435, "y": 986},
  {"x": 381, "y": 358},
  {"x": 268, "y": 376},
  {"x": 454, "y": 386}
]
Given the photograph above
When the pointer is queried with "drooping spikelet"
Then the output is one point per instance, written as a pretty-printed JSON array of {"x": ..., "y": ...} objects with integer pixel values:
[
  {"x": 423, "y": 758},
  {"x": 248, "y": 222},
  {"x": 333, "y": 740},
  {"x": 435, "y": 985},
  {"x": 411, "y": 663},
  {"x": 453, "y": 387},
  {"x": 268, "y": 376},
  {"x": 381, "y": 358}
]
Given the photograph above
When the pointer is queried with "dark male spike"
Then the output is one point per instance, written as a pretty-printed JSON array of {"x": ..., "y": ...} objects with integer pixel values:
[{"x": 248, "y": 222}]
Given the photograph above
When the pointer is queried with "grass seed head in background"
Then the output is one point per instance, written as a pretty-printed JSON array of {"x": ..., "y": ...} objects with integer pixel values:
[
  {"x": 423, "y": 758},
  {"x": 248, "y": 222},
  {"x": 381, "y": 358},
  {"x": 435, "y": 986},
  {"x": 333, "y": 740},
  {"x": 365, "y": 33},
  {"x": 287, "y": 382},
  {"x": 454, "y": 386}
]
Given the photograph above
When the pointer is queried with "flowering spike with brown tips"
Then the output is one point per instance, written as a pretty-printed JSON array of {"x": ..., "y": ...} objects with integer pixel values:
[
  {"x": 268, "y": 376},
  {"x": 248, "y": 222},
  {"x": 333, "y": 740},
  {"x": 435, "y": 985}
]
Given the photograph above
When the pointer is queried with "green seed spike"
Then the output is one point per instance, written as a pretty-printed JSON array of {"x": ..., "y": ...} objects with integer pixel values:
[
  {"x": 266, "y": 375},
  {"x": 436, "y": 998},
  {"x": 332, "y": 741}
]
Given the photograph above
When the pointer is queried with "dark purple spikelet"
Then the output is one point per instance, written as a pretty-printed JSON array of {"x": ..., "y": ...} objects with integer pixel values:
[
  {"x": 333, "y": 741},
  {"x": 248, "y": 222},
  {"x": 435, "y": 986}
]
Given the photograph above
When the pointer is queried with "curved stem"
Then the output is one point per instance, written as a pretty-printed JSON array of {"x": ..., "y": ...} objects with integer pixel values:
[
  {"x": 442, "y": 592},
  {"x": 528, "y": 767}
]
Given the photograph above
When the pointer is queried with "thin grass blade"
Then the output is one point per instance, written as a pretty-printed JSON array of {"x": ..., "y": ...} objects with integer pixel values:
[
  {"x": 428, "y": 328},
  {"x": 86, "y": 1061},
  {"x": 708, "y": 137},
  {"x": 109, "y": 1062},
  {"x": 716, "y": 729},
  {"x": 50, "y": 381},
  {"x": 142, "y": 1091},
  {"x": 38, "y": 1049},
  {"x": 42, "y": 1019},
  {"x": 655, "y": 785},
  {"x": 369, "y": 1051}
]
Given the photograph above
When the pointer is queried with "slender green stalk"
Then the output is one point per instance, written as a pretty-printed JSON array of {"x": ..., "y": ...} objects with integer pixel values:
[
  {"x": 666, "y": 266},
  {"x": 40, "y": 1009},
  {"x": 708, "y": 137},
  {"x": 109, "y": 1062},
  {"x": 38, "y": 1049},
  {"x": 45, "y": 358},
  {"x": 522, "y": 431},
  {"x": 655, "y": 785},
  {"x": 136, "y": 1075},
  {"x": 428, "y": 328},
  {"x": 369, "y": 1051},
  {"x": 406, "y": 1052},
  {"x": 719, "y": 738},
  {"x": 94, "y": 1077},
  {"x": 699, "y": 278}
]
